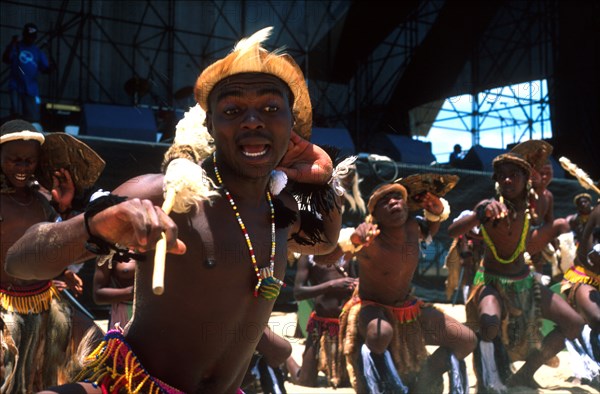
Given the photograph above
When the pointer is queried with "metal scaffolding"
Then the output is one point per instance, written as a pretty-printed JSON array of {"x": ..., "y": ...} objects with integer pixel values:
[{"x": 148, "y": 53}]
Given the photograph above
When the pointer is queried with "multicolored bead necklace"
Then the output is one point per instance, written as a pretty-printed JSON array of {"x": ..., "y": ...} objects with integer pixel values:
[{"x": 268, "y": 286}]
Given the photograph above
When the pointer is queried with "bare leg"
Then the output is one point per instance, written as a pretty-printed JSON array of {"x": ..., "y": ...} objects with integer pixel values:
[
  {"x": 440, "y": 329},
  {"x": 491, "y": 369},
  {"x": 307, "y": 375},
  {"x": 490, "y": 309},
  {"x": 374, "y": 327},
  {"x": 569, "y": 325},
  {"x": 274, "y": 348},
  {"x": 451, "y": 336},
  {"x": 588, "y": 305},
  {"x": 379, "y": 372},
  {"x": 293, "y": 368}
]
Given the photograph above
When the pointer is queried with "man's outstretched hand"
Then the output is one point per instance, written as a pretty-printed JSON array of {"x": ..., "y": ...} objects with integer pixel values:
[{"x": 137, "y": 224}]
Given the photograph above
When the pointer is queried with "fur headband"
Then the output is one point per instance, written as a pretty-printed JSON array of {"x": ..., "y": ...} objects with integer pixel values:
[
  {"x": 24, "y": 135},
  {"x": 581, "y": 195},
  {"x": 249, "y": 56},
  {"x": 382, "y": 191}
]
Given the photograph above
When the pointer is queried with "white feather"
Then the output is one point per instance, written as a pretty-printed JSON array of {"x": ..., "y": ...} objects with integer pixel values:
[{"x": 257, "y": 38}]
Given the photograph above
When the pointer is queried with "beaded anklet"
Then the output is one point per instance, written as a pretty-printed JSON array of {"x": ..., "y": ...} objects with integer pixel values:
[{"x": 268, "y": 286}]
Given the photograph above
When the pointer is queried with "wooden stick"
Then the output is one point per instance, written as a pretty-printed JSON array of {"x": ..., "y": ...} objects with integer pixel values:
[
  {"x": 583, "y": 178},
  {"x": 158, "y": 276}
]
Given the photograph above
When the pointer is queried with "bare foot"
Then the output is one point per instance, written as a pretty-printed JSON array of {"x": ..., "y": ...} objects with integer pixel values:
[{"x": 519, "y": 379}]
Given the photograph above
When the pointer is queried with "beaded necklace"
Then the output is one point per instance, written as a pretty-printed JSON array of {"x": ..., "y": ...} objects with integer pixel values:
[
  {"x": 23, "y": 204},
  {"x": 520, "y": 247},
  {"x": 268, "y": 286}
]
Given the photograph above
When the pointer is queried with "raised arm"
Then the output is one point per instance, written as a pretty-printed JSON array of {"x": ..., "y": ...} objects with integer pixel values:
[
  {"x": 436, "y": 210},
  {"x": 307, "y": 163},
  {"x": 485, "y": 210}
]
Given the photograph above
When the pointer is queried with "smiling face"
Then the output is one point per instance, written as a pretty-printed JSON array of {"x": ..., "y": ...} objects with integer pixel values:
[
  {"x": 18, "y": 160},
  {"x": 391, "y": 209},
  {"x": 250, "y": 119},
  {"x": 512, "y": 180}
]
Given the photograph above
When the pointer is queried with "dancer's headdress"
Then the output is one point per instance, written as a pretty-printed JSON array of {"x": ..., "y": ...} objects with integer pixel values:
[
  {"x": 535, "y": 152},
  {"x": 581, "y": 195},
  {"x": 417, "y": 184},
  {"x": 513, "y": 158},
  {"x": 249, "y": 56}
]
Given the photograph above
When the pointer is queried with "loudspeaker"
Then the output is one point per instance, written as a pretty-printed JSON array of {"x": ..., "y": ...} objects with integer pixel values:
[
  {"x": 480, "y": 158},
  {"x": 340, "y": 138},
  {"x": 112, "y": 121},
  {"x": 402, "y": 148}
]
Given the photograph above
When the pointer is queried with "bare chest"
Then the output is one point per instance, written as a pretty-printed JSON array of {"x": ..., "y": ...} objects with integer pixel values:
[{"x": 15, "y": 218}]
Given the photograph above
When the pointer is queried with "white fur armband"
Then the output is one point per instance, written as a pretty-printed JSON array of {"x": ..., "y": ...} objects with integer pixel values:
[
  {"x": 277, "y": 182},
  {"x": 345, "y": 243},
  {"x": 442, "y": 216},
  {"x": 339, "y": 172}
]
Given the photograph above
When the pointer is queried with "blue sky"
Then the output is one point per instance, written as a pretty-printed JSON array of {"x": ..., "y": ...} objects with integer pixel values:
[{"x": 505, "y": 115}]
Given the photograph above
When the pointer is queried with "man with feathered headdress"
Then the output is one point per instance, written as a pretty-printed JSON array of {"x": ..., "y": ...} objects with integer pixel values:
[
  {"x": 233, "y": 224},
  {"x": 506, "y": 304}
]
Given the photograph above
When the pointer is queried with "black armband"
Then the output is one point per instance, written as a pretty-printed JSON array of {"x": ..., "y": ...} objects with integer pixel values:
[
  {"x": 480, "y": 212},
  {"x": 315, "y": 201},
  {"x": 99, "y": 246}
]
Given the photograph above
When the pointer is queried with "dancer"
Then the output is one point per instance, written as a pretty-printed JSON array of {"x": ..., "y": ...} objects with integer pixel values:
[
  {"x": 462, "y": 261},
  {"x": 325, "y": 279},
  {"x": 506, "y": 304},
  {"x": 581, "y": 287},
  {"x": 234, "y": 237},
  {"x": 384, "y": 328},
  {"x": 45, "y": 327}
]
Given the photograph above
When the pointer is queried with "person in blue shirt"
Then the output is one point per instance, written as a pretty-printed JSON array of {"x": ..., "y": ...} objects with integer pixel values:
[{"x": 26, "y": 60}]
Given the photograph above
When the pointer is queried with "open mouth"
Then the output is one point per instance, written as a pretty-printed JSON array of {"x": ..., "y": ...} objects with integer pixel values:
[
  {"x": 21, "y": 177},
  {"x": 255, "y": 150}
]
